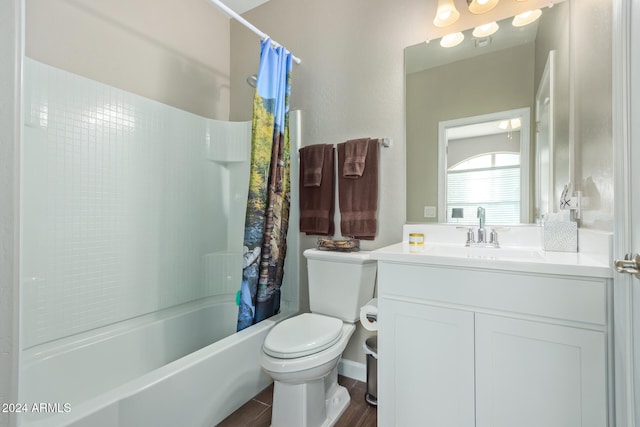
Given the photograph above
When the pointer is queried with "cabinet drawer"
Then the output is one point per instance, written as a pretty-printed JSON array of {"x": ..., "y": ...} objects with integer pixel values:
[{"x": 570, "y": 298}]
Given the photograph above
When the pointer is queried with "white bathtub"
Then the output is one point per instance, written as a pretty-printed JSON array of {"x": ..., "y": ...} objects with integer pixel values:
[{"x": 156, "y": 370}]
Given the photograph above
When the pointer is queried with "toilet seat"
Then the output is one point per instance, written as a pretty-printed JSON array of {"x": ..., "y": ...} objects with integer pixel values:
[{"x": 302, "y": 335}]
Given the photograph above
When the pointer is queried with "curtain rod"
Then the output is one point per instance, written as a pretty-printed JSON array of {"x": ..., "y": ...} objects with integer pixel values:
[{"x": 226, "y": 9}]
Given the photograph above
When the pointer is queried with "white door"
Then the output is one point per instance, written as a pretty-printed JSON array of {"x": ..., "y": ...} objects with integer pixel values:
[
  {"x": 634, "y": 184},
  {"x": 627, "y": 211}
]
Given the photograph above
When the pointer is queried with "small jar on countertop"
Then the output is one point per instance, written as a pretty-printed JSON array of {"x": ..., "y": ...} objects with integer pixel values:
[{"x": 416, "y": 242}]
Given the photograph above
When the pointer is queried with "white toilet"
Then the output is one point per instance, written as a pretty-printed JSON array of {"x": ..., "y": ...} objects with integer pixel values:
[{"x": 301, "y": 354}]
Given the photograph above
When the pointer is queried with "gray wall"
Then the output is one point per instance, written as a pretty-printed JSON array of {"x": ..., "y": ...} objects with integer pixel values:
[
  {"x": 593, "y": 110},
  {"x": 10, "y": 52},
  {"x": 351, "y": 83}
]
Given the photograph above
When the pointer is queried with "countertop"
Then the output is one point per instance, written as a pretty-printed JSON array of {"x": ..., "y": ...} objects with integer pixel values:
[{"x": 520, "y": 259}]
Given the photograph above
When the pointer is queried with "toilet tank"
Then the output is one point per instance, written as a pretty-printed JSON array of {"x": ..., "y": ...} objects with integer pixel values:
[{"x": 340, "y": 282}]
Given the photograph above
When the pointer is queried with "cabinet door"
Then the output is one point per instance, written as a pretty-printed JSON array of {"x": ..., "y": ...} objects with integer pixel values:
[
  {"x": 537, "y": 374},
  {"x": 426, "y": 365}
]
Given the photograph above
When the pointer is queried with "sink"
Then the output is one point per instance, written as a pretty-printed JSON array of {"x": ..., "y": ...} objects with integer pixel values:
[
  {"x": 483, "y": 253},
  {"x": 520, "y": 250}
]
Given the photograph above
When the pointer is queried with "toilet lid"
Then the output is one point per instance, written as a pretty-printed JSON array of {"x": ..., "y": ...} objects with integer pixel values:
[{"x": 302, "y": 335}]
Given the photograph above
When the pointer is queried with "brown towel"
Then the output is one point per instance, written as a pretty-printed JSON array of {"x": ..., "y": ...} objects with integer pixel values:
[
  {"x": 317, "y": 205},
  {"x": 313, "y": 158},
  {"x": 359, "y": 197},
  {"x": 355, "y": 152}
]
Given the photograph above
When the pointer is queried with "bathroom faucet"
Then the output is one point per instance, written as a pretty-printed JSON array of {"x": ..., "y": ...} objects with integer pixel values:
[
  {"x": 482, "y": 238},
  {"x": 482, "y": 234}
]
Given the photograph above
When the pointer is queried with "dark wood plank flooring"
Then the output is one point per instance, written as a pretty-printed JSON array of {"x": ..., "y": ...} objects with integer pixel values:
[{"x": 257, "y": 411}]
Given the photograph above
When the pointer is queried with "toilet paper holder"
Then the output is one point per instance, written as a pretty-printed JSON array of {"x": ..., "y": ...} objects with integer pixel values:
[{"x": 369, "y": 315}]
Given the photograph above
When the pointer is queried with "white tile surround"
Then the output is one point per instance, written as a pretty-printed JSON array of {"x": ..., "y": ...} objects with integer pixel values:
[
  {"x": 126, "y": 205},
  {"x": 10, "y": 70}
]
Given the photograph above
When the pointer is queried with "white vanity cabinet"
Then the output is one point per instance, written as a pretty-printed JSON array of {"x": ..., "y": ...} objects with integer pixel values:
[
  {"x": 531, "y": 373},
  {"x": 422, "y": 384},
  {"x": 467, "y": 347}
]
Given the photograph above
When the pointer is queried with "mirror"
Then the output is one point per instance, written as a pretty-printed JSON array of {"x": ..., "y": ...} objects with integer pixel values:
[
  {"x": 458, "y": 98},
  {"x": 484, "y": 161}
]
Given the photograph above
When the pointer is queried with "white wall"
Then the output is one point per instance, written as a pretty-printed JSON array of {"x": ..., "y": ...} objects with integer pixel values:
[
  {"x": 10, "y": 52},
  {"x": 464, "y": 148},
  {"x": 175, "y": 52}
]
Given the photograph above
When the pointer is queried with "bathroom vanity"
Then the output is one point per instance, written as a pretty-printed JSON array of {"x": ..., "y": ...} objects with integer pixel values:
[{"x": 510, "y": 336}]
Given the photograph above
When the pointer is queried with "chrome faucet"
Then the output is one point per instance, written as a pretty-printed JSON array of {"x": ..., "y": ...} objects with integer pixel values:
[
  {"x": 482, "y": 234},
  {"x": 482, "y": 238}
]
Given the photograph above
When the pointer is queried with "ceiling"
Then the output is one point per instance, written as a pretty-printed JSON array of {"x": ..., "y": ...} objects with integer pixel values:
[{"x": 242, "y": 6}]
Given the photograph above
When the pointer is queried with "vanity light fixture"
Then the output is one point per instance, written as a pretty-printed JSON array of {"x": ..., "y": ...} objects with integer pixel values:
[
  {"x": 485, "y": 30},
  {"x": 510, "y": 124},
  {"x": 526, "y": 18},
  {"x": 451, "y": 40},
  {"x": 446, "y": 14},
  {"x": 481, "y": 6}
]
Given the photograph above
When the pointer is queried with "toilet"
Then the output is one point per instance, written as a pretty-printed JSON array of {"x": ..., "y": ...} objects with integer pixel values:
[{"x": 301, "y": 353}]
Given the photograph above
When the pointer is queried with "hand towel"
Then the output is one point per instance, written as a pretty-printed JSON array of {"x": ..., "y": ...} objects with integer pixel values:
[
  {"x": 317, "y": 205},
  {"x": 313, "y": 158},
  {"x": 358, "y": 197},
  {"x": 355, "y": 153}
]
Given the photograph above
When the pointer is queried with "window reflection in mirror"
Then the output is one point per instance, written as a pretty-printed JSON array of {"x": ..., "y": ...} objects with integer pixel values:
[
  {"x": 490, "y": 180},
  {"x": 484, "y": 162}
]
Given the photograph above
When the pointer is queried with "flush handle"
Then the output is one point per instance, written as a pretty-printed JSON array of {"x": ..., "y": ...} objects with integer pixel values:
[{"x": 630, "y": 264}]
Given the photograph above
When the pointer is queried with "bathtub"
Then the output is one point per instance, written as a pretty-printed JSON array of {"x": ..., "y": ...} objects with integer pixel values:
[{"x": 183, "y": 366}]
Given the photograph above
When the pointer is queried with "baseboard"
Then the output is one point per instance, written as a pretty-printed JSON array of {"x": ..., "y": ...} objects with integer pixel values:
[{"x": 354, "y": 370}]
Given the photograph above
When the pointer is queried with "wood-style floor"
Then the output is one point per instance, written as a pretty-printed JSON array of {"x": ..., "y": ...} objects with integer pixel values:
[{"x": 257, "y": 411}]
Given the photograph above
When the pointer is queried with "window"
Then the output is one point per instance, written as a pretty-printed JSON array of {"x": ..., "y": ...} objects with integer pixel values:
[{"x": 490, "y": 180}]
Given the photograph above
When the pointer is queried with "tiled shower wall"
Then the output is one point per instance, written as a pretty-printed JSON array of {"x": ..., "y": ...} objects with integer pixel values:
[{"x": 126, "y": 205}]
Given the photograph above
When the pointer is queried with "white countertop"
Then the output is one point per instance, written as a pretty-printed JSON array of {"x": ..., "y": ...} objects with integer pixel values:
[{"x": 521, "y": 259}]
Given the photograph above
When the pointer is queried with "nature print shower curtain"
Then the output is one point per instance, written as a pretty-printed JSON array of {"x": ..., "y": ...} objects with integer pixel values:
[{"x": 267, "y": 217}]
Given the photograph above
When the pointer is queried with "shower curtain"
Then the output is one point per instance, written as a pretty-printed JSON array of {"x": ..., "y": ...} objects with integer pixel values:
[{"x": 267, "y": 216}]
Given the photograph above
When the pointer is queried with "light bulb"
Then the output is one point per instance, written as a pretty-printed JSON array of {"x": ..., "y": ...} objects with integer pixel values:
[
  {"x": 446, "y": 14},
  {"x": 526, "y": 18},
  {"x": 481, "y": 6},
  {"x": 485, "y": 30},
  {"x": 451, "y": 40}
]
